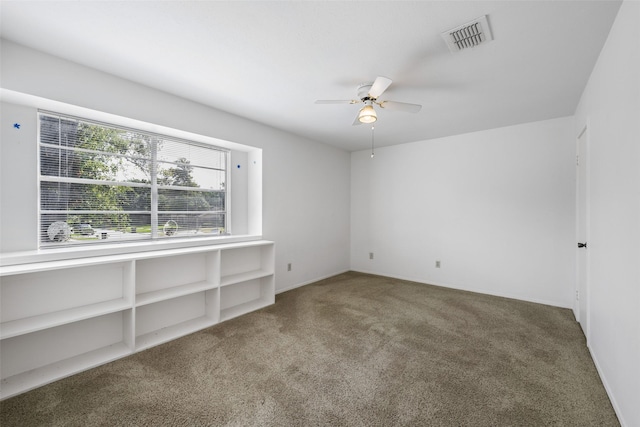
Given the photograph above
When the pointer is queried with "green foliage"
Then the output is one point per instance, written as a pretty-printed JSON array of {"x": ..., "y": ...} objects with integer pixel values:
[
  {"x": 108, "y": 154},
  {"x": 179, "y": 175},
  {"x": 105, "y": 161}
]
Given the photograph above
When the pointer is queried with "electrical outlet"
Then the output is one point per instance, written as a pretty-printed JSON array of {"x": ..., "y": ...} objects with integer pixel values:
[
  {"x": 289, "y": 267},
  {"x": 370, "y": 255},
  {"x": 437, "y": 263}
]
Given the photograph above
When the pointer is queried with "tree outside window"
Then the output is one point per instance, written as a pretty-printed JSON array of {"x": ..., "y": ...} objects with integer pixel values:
[{"x": 101, "y": 182}]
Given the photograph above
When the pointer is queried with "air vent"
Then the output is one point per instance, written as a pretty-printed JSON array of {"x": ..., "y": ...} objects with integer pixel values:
[{"x": 468, "y": 35}]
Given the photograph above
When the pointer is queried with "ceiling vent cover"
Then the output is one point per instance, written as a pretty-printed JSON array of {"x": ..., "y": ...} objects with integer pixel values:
[{"x": 468, "y": 35}]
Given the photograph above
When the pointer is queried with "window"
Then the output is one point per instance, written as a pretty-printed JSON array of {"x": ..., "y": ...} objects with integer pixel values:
[{"x": 100, "y": 182}]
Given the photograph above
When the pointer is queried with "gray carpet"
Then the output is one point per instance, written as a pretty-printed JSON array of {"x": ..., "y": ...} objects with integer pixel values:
[{"x": 352, "y": 350}]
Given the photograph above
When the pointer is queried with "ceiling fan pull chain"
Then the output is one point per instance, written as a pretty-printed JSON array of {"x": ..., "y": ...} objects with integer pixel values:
[{"x": 372, "y": 153}]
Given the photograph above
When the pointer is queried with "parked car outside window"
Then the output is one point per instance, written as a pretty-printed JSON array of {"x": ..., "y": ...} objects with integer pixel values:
[{"x": 83, "y": 229}]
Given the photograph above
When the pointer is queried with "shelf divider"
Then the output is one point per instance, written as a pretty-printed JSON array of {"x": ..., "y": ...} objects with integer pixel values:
[
  {"x": 169, "y": 333},
  {"x": 243, "y": 277},
  {"x": 29, "y": 380},
  {"x": 174, "y": 292},
  {"x": 49, "y": 320},
  {"x": 244, "y": 308}
]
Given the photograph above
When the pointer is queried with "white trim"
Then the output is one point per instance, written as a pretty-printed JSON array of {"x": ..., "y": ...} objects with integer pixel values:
[
  {"x": 474, "y": 290},
  {"x": 151, "y": 158},
  {"x": 576, "y": 290},
  {"x": 585, "y": 323},
  {"x": 299, "y": 285},
  {"x": 584, "y": 129},
  {"x": 607, "y": 388},
  {"x": 94, "y": 250}
]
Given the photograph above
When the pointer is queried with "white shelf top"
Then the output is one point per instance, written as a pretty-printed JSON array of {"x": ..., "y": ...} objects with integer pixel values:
[
  {"x": 99, "y": 250},
  {"x": 41, "y": 261},
  {"x": 36, "y": 267}
]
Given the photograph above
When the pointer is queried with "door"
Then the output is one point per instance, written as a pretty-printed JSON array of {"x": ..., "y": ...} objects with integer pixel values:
[{"x": 582, "y": 292}]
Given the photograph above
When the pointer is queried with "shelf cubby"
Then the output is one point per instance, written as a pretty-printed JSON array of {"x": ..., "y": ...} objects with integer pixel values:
[
  {"x": 34, "y": 359},
  {"x": 169, "y": 319},
  {"x": 245, "y": 297},
  {"x": 246, "y": 263},
  {"x": 57, "y": 290},
  {"x": 166, "y": 277}
]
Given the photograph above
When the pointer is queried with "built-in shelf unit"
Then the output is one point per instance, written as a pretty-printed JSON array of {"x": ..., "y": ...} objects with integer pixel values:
[{"x": 59, "y": 318}]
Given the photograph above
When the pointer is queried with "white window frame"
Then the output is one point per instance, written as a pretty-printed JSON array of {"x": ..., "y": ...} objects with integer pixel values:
[{"x": 154, "y": 211}]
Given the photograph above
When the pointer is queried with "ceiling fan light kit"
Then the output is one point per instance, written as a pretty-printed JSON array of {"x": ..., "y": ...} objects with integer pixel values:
[
  {"x": 368, "y": 93},
  {"x": 367, "y": 114}
]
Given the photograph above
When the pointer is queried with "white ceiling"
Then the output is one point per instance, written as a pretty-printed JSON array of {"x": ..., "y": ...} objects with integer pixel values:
[{"x": 269, "y": 61}]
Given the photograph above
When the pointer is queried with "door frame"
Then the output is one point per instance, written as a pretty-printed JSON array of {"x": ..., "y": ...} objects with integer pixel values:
[{"x": 584, "y": 296}]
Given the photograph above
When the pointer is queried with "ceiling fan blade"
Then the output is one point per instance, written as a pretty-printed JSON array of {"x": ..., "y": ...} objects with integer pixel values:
[
  {"x": 356, "y": 122},
  {"x": 337, "y": 101},
  {"x": 400, "y": 106},
  {"x": 379, "y": 86}
]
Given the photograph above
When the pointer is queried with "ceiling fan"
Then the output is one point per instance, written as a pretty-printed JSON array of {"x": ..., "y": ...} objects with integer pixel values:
[{"x": 368, "y": 94}]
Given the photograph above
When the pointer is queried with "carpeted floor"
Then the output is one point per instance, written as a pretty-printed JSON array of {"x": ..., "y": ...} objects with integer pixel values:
[{"x": 352, "y": 350}]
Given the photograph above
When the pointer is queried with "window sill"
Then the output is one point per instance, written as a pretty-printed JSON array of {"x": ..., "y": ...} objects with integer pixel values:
[{"x": 87, "y": 251}]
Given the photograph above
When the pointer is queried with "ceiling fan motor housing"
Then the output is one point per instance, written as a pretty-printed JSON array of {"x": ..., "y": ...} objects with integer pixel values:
[{"x": 363, "y": 90}]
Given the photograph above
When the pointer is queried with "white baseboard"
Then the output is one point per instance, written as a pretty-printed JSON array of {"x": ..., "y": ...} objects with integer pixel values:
[
  {"x": 298, "y": 285},
  {"x": 616, "y": 407},
  {"x": 479, "y": 291}
]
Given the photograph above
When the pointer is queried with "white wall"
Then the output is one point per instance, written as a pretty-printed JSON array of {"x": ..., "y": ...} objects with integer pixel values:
[
  {"x": 610, "y": 109},
  {"x": 305, "y": 184},
  {"x": 496, "y": 207},
  {"x": 18, "y": 171}
]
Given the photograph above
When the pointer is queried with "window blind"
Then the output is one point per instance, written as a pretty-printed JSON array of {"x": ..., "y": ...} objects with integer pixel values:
[{"x": 100, "y": 182}]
